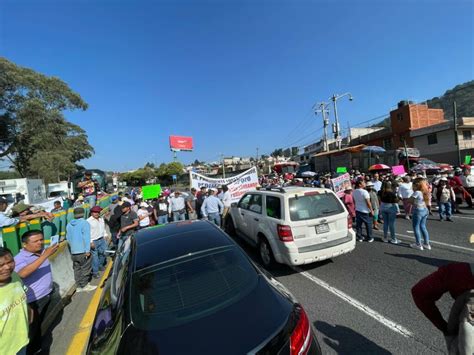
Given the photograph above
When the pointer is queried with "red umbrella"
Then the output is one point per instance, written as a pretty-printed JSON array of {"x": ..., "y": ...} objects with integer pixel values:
[{"x": 379, "y": 167}]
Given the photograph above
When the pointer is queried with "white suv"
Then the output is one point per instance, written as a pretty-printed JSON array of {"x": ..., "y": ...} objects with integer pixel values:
[{"x": 292, "y": 225}]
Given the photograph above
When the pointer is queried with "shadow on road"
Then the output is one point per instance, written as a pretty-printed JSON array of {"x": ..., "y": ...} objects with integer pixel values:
[
  {"x": 423, "y": 259},
  {"x": 347, "y": 341}
]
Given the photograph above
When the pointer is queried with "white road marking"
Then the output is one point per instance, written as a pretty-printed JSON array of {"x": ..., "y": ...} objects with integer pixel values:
[
  {"x": 435, "y": 242},
  {"x": 410, "y": 232},
  {"x": 466, "y": 217},
  {"x": 360, "y": 306}
]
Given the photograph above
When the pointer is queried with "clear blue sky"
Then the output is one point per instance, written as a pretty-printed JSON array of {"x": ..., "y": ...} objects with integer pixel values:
[{"x": 235, "y": 75}]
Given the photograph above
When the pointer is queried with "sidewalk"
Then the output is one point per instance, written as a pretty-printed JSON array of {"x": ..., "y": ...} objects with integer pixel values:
[{"x": 71, "y": 319}]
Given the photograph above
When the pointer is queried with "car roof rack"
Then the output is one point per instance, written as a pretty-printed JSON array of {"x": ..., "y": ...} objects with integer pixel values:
[{"x": 276, "y": 189}]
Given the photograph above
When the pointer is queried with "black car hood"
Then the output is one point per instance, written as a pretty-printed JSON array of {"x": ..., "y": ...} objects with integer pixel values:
[{"x": 237, "y": 329}]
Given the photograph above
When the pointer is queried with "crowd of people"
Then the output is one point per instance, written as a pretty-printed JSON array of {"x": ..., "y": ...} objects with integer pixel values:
[{"x": 375, "y": 198}]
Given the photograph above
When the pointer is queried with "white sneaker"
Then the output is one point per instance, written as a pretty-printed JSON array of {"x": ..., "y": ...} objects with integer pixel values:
[
  {"x": 416, "y": 246},
  {"x": 394, "y": 241},
  {"x": 86, "y": 288},
  {"x": 427, "y": 246},
  {"x": 385, "y": 240}
]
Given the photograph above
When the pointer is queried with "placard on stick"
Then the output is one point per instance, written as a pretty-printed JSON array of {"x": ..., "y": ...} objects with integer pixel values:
[{"x": 151, "y": 191}]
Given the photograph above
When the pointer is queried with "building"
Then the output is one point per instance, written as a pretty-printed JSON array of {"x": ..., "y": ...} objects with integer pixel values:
[{"x": 438, "y": 142}]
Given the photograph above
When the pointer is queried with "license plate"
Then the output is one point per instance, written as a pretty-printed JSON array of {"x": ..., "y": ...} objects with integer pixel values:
[{"x": 322, "y": 228}]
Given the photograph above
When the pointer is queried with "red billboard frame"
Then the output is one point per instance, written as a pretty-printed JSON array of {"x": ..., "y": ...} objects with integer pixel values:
[{"x": 181, "y": 143}]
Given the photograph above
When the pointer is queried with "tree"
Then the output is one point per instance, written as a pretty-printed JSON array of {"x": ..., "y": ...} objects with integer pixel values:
[
  {"x": 277, "y": 153},
  {"x": 34, "y": 135}
]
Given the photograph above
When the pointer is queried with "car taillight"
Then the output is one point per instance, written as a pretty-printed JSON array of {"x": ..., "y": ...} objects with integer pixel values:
[
  {"x": 349, "y": 222},
  {"x": 284, "y": 233},
  {"x": 301, "y": 338}
]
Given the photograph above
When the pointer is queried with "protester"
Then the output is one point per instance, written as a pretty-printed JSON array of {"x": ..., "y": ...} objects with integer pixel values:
[
  {"x": 374, "y": 201},
  {"x": 444, "y": 196},
  {"x": 4, "y": 220},
  {"x": 128, "y": 222},
  {"x": 457, "y": 279},
  {"x": 32, "y": 265},
  {"x": 389, "y": 209},
  {"x": 57, "y": 207},
  {"x": 226, "y": 201},
  {"x": 212, "y": 208},
  {"x": 143, "y": 215},
  {"x": 90, "y": 187},
  {"x": 98, "y": 243},
  {"x": 191, "y": 204},
  {"x": 377, "y": 184},
  {"x": 161, "y": 210},
  {"x": 200, "y": 197},
  {"x": 79, "y": 201},
  {"x": 364, "y": 211},
  {"x": 177, "y": 207},
  {"x": 348, "y": 201},
  {"x": 25, "y": 212},
  {"x": 78, "y": 235},
  {"x": 14, "y": 324},
  {"x": 115, "y": 213},
  {"x": 405, "y": 191},
  {"x": 420, "y": 201},
  {"x": 468, "y": 183}
]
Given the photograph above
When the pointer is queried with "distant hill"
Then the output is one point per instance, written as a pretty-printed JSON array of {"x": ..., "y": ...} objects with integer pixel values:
[{"x": 463, "y": 95}]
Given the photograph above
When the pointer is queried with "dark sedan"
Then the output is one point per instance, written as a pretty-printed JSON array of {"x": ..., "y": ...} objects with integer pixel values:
[{"x": 187, "y": 288}]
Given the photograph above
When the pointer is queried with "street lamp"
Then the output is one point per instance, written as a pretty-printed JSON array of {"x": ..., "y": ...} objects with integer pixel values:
[{"x": 337, "y": 128}]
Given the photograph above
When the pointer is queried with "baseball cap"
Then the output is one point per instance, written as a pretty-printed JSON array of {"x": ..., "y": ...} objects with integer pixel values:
[
  {"x": 21, "y": 207},
  {"x": 369, "y": 184},
  {"x": 143, "y": 204},
  {"x": 96, "y": 209},
  {"x": 88, "y": 172},
  {"x": 126, "y": 204},
  {"x": 114, "y": 198},
  {"x": 79, "y": 212}
]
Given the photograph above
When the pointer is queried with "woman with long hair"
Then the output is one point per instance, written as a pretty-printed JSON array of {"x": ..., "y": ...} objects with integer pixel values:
[
  {"x": 420, "y": 201},
  {"x": 389, "y": 209}
]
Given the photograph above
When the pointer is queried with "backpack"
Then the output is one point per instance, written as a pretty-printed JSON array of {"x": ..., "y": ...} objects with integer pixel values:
[{"x": 462, "y": 310}]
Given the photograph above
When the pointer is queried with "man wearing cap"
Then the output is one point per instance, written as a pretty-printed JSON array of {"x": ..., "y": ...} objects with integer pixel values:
[
  {"x": 128, "y": 222},
  {"x": 143, "y": 215},
  {"x": 212, "y": 208},
  {"x": 78, "y": 235},
  {"x": 89, "y": 187},
  {"x": 4, "y": 220},
  {"x": 177, "y": 207},
  {"x": 200, "y": 197},
  {"x": 191, "y": 204},
  {"x": 98, "y": 244}
]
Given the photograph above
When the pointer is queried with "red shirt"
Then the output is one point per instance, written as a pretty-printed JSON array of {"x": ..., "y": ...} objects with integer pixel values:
[{"x": 455, "y": 278}]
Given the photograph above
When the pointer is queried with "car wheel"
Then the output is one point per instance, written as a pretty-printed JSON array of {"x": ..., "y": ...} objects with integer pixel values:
[
  {"x": 229, "y": 227},
  {"x": 266, "y": 254}
]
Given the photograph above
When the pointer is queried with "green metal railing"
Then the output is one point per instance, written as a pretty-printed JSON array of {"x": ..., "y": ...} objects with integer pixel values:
[{"x": 11, "y": 236}]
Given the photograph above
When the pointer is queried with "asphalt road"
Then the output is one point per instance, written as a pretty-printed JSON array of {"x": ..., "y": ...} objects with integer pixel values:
[{"x": 361, "y": 303}]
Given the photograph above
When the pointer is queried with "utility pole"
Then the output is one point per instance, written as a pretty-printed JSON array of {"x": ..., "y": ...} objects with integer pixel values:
[
  {"x": 323, "y": 109},
  {"x": 223, "y": 166},
  {"x": 456, "y": 140},
  {"x": 256, "y": 160}
]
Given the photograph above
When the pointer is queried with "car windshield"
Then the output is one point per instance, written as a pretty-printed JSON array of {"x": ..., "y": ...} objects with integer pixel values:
[
  {"x": 314, "y": 206},
  {"x": 185, "y": 289}
]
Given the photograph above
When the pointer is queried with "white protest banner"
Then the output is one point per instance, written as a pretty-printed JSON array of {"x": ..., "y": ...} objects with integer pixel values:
[
  {"x": 340, "y": 183},
  {"x": 238, "y": 185}
]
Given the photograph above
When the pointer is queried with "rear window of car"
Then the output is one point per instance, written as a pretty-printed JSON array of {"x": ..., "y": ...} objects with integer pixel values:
[
  {"x": 185, "y": 289},
  {"x": 273, "y": 207},
  {"x": 314, "y": 206}
]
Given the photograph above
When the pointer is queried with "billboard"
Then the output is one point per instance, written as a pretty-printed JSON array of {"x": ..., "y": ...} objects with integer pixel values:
[{"x": 179, "y": 143}]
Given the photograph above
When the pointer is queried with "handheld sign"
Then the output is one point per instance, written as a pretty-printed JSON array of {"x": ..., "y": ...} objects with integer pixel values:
[
  {"x": 341, "y": 170},
  {"x": 398, "y": 170},
  {"x": 467, "y": 160},
  {"x": 151, "y": 191}
]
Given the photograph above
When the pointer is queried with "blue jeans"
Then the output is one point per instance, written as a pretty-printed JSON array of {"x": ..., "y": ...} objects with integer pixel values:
[
  {"x": 444, "y": 209},
  {"x": 420, "y": 215},
  {"x": 179, "y": 216},
  {"x": 215, "y": 217},
  {"x": 389, "y": 215},
  {"x": 91, "y": 200},
  {"x": 363, "y": 218},
  {"x": 163, "y": 219},
  {"x": 98, "y": 255}
]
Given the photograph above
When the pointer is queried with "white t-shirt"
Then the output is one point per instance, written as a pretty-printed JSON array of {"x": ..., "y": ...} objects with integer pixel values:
[
  {"x": 145, "y": 222},
  {"x": 360, "y": 198},
  {"x": 227, "y": 199},
  {"x": 419, "y": 202},
  {"x": 405, "y": 190}
]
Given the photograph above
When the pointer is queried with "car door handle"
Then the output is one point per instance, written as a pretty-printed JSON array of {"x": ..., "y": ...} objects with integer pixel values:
[
  {"x": 242, "y": 214},
  {"x": 256, "y": 219}
]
